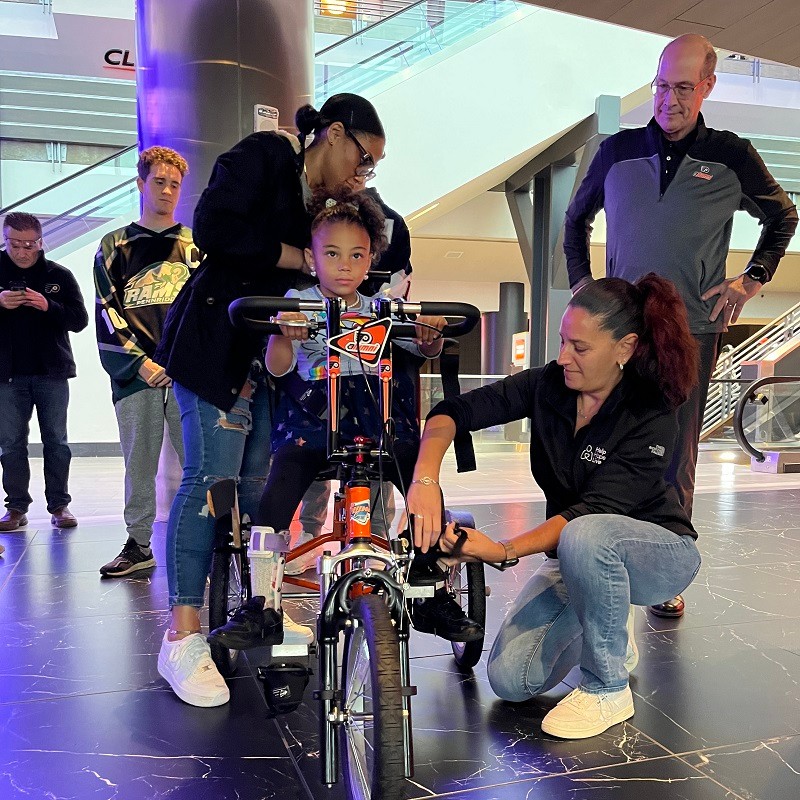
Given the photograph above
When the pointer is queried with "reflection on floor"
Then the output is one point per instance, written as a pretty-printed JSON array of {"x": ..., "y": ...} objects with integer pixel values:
[{"x": 84, "y": 714}]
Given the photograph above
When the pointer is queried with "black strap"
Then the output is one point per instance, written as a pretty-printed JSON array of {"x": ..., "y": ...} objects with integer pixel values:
[{"x": 448, "y": 366}]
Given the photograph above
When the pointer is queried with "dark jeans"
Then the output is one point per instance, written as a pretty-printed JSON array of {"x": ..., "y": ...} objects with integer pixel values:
[
  {"x": 681, "y": 471},
  {"x": 18, "y": 397}
]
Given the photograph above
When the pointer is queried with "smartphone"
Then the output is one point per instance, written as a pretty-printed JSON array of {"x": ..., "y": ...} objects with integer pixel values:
[{"x": 17, "y": 286}]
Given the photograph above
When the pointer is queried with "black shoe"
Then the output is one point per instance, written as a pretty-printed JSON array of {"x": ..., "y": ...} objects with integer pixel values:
[
  {"x": 250, "y": 626},
  {"x": 443, "y": 616},
  {"x": 672, "y": 609},
  {"x": 132, "y": 558}
]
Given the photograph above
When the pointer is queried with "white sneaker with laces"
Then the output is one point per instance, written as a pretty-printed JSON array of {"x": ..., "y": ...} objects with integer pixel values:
[
  {"x": 582, "y": 714},
  {"x": 294, "y": 633},
  {"x": 187, "y": 667},
  {"x": 305, "y": 562},
  {"x": 632, "y": 653}
]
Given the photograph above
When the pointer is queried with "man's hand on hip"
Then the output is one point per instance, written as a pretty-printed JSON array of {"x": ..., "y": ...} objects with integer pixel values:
[{"x": 733, "y": 294}]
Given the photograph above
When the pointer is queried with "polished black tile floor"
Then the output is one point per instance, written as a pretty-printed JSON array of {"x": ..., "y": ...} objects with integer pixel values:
[{"x": 84, "y": 714}]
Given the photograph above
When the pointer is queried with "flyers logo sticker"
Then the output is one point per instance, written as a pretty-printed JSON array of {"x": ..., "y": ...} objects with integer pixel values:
[{"x": 365, "y": 344}]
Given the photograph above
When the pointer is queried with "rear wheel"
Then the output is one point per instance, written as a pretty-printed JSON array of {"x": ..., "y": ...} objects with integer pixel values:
[
  {"x": 372, "y": 704},
  {"x": 225, "y": 595},
  {"x": 468, "y": 585}
]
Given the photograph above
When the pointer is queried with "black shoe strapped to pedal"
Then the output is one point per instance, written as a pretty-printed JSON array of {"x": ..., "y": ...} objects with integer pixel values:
[
  {"x": 251, "y": 625},
  {"x": 442, "y": 616}
]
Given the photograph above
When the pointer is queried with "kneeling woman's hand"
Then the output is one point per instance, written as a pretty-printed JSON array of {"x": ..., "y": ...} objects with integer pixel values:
[{"x": 476, "y": 546}]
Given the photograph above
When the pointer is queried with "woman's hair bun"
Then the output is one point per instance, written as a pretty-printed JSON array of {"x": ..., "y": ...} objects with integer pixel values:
[{"x": 307, "y": 120}]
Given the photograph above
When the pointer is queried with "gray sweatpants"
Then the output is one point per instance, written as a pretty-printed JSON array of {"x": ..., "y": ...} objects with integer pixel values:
[{"x": 140, "y": 417}]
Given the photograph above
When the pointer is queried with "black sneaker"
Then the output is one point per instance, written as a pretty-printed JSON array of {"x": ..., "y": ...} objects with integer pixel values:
[
  {"x": 251, "y": 625},
  {"x": 443, "y": 616},
  {"x": 132, "y": 558}
]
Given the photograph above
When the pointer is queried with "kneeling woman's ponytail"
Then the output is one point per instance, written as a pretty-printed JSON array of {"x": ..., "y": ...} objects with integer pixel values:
[{"x": 666, "y": 353}]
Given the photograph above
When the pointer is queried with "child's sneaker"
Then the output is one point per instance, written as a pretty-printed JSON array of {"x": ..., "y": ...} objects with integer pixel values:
[
  {"x": 294, "y": 632},
  {"x": 187, "y": 667}
]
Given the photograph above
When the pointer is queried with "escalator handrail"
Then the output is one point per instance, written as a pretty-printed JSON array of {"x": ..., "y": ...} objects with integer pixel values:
[
  {"x": 744, "y": 399},
  {"x": 69, "y": 178},
  {"x": 367, "y": 28}
]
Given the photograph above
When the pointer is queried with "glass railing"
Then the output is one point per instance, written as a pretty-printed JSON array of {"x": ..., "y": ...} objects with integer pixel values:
[
  {"x": 767, "y": 420},
  {"x": 401, "y": 40},
  {"x": 91, "y": 197},
  {"x": 757, "y": 68},
  {"x": 498, "y": 436}
]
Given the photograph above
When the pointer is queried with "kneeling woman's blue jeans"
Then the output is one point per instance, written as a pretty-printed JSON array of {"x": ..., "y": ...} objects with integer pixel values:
[
  {"x": 574, "y": 609},
  {"x": 217, "y": 444}
]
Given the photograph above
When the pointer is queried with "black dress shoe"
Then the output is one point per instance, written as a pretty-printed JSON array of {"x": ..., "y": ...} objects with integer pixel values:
[
  {"x": 672, "y": 609},
  {"x": 443, "y": 616},
  {"x": 251, "y": 625}
]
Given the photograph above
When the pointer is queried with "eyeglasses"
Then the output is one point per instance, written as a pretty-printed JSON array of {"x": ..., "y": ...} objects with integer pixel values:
[
  {"x": 366, "y": 167},
  {"x": 22, "y": 244},
  {"x": 683, "y": 91}
]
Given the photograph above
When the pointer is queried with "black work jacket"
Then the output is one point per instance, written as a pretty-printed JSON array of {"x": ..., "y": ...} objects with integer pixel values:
[
  {"x": 49, "y": 338},
  {"x": 253, "y": 203},
  {"x": 613, "y": 465}
]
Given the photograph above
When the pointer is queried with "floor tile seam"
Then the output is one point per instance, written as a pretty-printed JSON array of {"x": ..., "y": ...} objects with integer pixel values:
[
  {"x": 91, "y": 616},
  {"x": 734, "y": 795},
  {"x": 567, "y": 774},
  {"x": 15, "y": 566},
  {"x": 75, "y": 695}
]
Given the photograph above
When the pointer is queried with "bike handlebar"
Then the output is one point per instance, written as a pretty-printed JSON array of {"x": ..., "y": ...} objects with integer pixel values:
[{"x": 256, "y": 313}]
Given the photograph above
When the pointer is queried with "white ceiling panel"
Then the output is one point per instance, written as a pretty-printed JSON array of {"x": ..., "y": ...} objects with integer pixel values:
[{"x": 769, "y": 29}]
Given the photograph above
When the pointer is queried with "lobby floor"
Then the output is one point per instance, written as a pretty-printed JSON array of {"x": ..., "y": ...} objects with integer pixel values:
[{"x": 84, "y": 714}]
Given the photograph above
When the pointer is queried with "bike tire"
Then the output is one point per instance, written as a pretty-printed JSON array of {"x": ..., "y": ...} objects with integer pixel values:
[
  {"x": 372, "y": 702},
  {"x": 224, "y": 597},
  {"x": 468, "y": 583}
]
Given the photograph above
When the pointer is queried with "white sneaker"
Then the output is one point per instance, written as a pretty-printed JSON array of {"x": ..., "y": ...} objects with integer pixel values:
[
  {"x": 632, "y": 653},
  {"x": 187, "y": 667},
  {"x": 582, "y": 714},
  {"x": 305, "y": 562},
  {"x": 294, "y": 633}
]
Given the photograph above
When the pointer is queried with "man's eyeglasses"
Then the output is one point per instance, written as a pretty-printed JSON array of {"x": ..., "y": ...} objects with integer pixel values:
[
  {"x": 366, "y": 167},
  {"x": 22, "y": 244},
  {"x": 683, "y": 91}
]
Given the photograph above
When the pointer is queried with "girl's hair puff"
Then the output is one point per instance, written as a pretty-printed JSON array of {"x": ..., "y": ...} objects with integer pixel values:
[{"x": 353, "y": 208}]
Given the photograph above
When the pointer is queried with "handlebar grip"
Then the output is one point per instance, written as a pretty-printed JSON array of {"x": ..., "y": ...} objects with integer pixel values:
[
  {"x": 253, "y": 313},
  {"x": 470, "y": 315}
]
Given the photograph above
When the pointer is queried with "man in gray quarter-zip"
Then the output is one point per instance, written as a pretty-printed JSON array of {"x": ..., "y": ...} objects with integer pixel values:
[{"x": 670, "y": 191}]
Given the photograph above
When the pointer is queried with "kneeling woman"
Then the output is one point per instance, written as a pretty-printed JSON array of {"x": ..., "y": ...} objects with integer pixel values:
[{"x": 603, "y": 429}]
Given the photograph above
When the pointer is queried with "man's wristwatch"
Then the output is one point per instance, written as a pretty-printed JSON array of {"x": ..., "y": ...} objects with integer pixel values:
[{"x": 757, "y": 272}]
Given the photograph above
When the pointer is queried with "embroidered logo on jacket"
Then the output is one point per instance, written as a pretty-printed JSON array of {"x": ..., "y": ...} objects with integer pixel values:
[
  {"x": 595, "y": 455},
  {"x": 657, "y": 450},
  {"x": 52, "y": 288},
  {"x": 704, "y": 172}
]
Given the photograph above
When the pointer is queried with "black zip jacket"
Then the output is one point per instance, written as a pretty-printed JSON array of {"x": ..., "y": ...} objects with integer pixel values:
[
  {"x": 684, "y": 231},
  {"x": 253, "y": 203},
  {"x": 613, "y": 465},
  {"x": 47, "y": 338}
]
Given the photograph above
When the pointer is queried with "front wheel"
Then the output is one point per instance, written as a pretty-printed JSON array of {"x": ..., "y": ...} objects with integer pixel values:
[
  {"x": 372, "y": 704},
  {"x": 225, "y": 595}
]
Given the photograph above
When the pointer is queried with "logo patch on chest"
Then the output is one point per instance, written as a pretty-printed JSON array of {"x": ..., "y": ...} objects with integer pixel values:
[
  {"x": 657, "y": 450},
  {"x": 594, "y": 455},
  {"x": 704, "y": 173}
]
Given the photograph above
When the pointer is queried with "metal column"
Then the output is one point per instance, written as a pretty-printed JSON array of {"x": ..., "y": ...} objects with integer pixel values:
[{"x": 202, "y": 65}]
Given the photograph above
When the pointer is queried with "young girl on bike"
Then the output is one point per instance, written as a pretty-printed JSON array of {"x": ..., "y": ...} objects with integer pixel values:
[{"x": 347, "y": 234}]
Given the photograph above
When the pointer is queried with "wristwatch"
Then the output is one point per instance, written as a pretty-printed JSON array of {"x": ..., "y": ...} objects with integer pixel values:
[
  {"x": 511, "y": 559},
  {"x": 757, "y": 272}
]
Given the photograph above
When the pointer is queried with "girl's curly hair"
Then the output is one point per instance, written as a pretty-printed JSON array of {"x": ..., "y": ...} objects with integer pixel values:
[{"x": 353, "y": 208}]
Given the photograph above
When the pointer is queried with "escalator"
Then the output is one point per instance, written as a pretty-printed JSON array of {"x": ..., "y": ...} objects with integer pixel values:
[{"x": 767, "y": 424}]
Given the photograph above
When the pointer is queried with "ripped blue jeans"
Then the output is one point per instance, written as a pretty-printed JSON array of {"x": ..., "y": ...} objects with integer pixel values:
[{"x": 217, "y": 444}]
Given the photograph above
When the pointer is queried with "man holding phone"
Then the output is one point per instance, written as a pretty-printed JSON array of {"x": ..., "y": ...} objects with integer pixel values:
[{"x": 40, "y": 303}]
